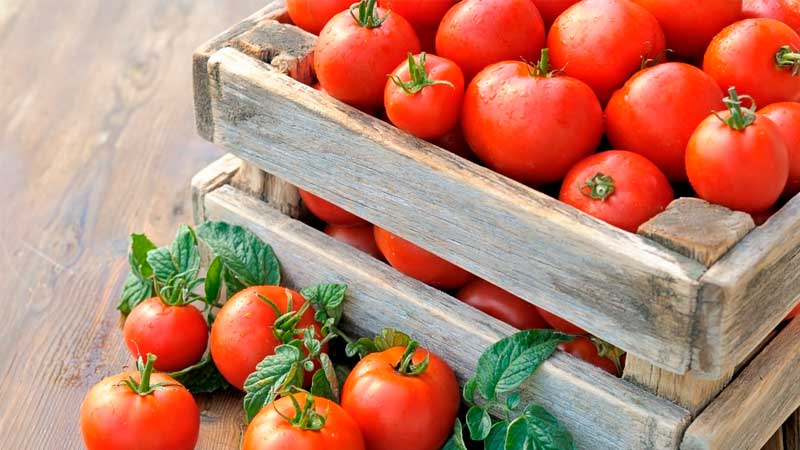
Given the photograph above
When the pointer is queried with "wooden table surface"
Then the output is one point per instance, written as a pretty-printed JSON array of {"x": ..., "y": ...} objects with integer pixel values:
[{"x": 97, "y": 140}]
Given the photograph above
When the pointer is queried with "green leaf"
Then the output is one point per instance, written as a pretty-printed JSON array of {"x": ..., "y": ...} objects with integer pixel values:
[
  {"x": 388, "y": 338},
  {"x": 479, "y": 423},
  {"x": 469, "y": 391},
  {"x": 201, "y": 378},
  {"x": 137, "y": 256},
  {"x": 545, "y": 431},
  {"x": 134, "y": 291},
  {"x": 517, "y": 435},
  {"x": 327, "y": 299},
  {"x": 232, "y": 284},
  {"x": 510, "y": 361},
  {"x": 273, "y": 375},
  {"x": 250, "y": 260},
  {"x": 213, "y": 282},
  {"x": 180, "y": 259},
  {"x": 497, "y": 437},
  {"x": 456, "y": 441},
  {"x": 513, "y": 400},
  {"x": 325, "y": 382},
  {"x": 361, "y": 347}
]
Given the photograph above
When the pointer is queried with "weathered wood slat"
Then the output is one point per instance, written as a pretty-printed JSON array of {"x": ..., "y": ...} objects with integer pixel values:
[{"x": 621, "y": 287}]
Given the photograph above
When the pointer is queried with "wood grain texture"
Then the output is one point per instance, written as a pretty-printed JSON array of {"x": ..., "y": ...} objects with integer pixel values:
[
  {"x": 618, "y": 286},
  {"x": 775, "y": 442},
  {"x": 756, "y": 403},
  {"x": 602, "y": 412}
]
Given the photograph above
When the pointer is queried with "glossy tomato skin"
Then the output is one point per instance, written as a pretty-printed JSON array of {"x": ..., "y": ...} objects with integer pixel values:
[
  {"x": 361, "y": 237},
  {"x": 497, "y": 121},
  {"x": 787, "y": 11},
  {"x": 352, "y": 61},
  {"x": 550, "y": 9},
  {"x": 501, "y": 305},
  {"x": 690, "y": 26},
  {"x": 743, "y": 55},
  {"x": 177, "y": 335},
  {"x": 432, "y": 112},
  {"x": 328, "y": 212},
  {"x": 270, "y": 431},
  {"x": 641, "y": 189},
  {"x": 601, "y": 42},
  {"x": 786, "y": 116},
  {"x": 401, "y": 412},
  {"x": 115, "y": 418},
  {"x": 242, "y": 334},
  {"x": 742, "y": 170},
  {"x": 422, "y": 14},
  {"x": 655, "y": 113},
  {"x": 477, "y": 33},
  {"x": 560, "y": 324},
  {"x": 419, "y": 263},
  {"x": 312, "y": 15},
  {"x": 583, "y": 348}
]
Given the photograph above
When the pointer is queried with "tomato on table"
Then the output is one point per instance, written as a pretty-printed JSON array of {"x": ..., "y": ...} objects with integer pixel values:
[
  {"x": 328, "y": 212},
  {"x": 422, "y": 14},
  {"x": 312, "y": 15},
  {"x": 361, "y": 237},
  {"x": 550, "y": 9},
  {"x": 786, "y": 115},
  {"x": 501, "y": 305},
  {"x": 560, "y": 324},
  {"x": 585, "y": 349},
  {"x": 787, "y": 11}
]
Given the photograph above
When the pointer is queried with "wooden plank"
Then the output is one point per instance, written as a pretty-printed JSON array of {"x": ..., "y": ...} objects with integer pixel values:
[
  {"x": 756, "y": 403},
  {"x": 213, "y": 176},
  {"x": 619, "y": 286},
  {"x": 775, "y": 442},
  {"x": 602, "y": 412}
]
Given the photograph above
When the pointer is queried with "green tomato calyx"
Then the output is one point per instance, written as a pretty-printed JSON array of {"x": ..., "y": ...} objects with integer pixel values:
[
  {"x": 598, "y": 187},
  {"x": 419, "y": 76},
  {"x": 143, "y": 386},
  {"x": 306, "y": 416},
  {"x": 406, "y": 364},
  {"x": 788, "y": 58},
  {"x": 365, "y": 14},
  {"x": 740, "y": 118}
]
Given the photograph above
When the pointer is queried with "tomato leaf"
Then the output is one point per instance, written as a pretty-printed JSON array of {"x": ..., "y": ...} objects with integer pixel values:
[
  {"x": 232, "y": 284},
  {"x": 137, "y": 256},
  {"x": 273, "y": 375},
  {"x": 545, "y": 431},
  {"x": 201, "y": 378},
  {"x": 497, "y": 437},
  {"x": 513, "y": 400},
  {"x": 469, "y": 391},
  {"x": 388, "y": 338},
  {"x": 479, "y": 423},
  {"x": 213, "y": 282},
  {"x": 456, "y": 441},
  {"x": 134, "y": 291},
  {"x": 517, "y": 435},
  {"x": 325, "y": 382},
  {"x": 248, "y": 259},
  {"x": 181, "y": 259},
  {"x": 327, "y": 299}
]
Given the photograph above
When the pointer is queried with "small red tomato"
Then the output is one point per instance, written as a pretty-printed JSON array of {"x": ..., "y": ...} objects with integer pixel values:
[
  {"x": 423, "y": 96},
  {"x": 402, "y": 402},
  {"x": 794, "y": 313},
  {"x": 602, "y": 42},
  {"x": 658, "y": 127},
  {"x": 477, "y": 33},
  {"x": 550, "y": 9},
  {"x": 419, "y": 263},
  {"x": 497, "y": 120},
  {"x": 312, "y": 423},
  {"x": 787, "y": 11},
  {"x": 140, "y": 410},
  {"x": 361, "y": 237},
  {"x": 757, "y": 56},
  {"x": 786, "y": 116},
  {"x": 177, "y": 335},
  {"x": 328, "y": 212},
  {"x": 356, "y": 50},
  {"x": 619, "y": 187},
  {"x": 583, "y": 348},
  {"x": 560, "y": 324},
  {"x": 501, "y": 305},
  {"x": 422, "y": 14},
  {"x": 738, "y": 159},
  {"x": 312, "y": 15}
]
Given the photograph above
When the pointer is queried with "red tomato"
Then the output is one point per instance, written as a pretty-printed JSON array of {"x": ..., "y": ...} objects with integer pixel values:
[
  {"x": 419, "y": 263},
  {"x": 312, "y": 15},
  {"x": 352, "y": 57},
  {"x": 423, "y": 96},
  {"x": 690, "y": 26},
  {"x": 501, "y": 305},
  {"x": 361, "y": 237},
  {"x": 422, "y": 14},
  {"x": 139, "y": 416},
  {"x": 498, "y": 121},
  {"x": 602, "y": 42},
  {"x": 550, "y": 9},
  {"x": 787, "y": 11},
  {"x": 745, "y": 55},
  {"x": 399, "y": 411},
  {"x": 583, "y": 348},
  {"x": 270, "y": 429},
  {"x": 371, "y": 110},
  {"x": 477, "y": 33},
  {"x": 786, "y": 116},
  {"x": 455, "y": 142},
  {"x": 177, "y": 335},
  {"x": 741, "y": 163},
  {"x": 658, "y": 127},
  {"x": 328, "y": 212},
  {"x": 242, "y": 334},
  {"x": 560, "y": 324},
  {"x": 619, "y": 187},
  {"x": 794, "y": 313}
]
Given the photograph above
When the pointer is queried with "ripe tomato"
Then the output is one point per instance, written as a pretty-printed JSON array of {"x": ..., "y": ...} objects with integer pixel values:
[
  {"x": 619, "y": 187},
  {"x": 746, "y": 55},
  {"x": 328, "y": 212},
  {"x": 787, "y": 11},
  {"x": 583, "y": 348},
  {"x": 318, "y": 425},
  {"x": 139, "y": 410},
  {"x": 419, "y": 263},
  {"x": 312, "y": 15},
  {"x": 177, "y": 335},
  {"x": 477, "y": 33},
  {"x": 397, "y": 408},
  {"x": 361, "y": 237},
  {"x": 422, "y": 14},
  {"x": 794, "y": 313},
  {"x": 690, "y": 26},
  {"x": 560, "y": 324},
  {"x": 738, "y": 160},
  {"x": 423, "y": 96},
  {"x": 352, "y": 57},
  {"x": 658, "y": 127},
  {"x": 242, "y": 334},
  {"x": 786, "y": 116},
  {"x": 550, "y": 9},
  {"x": 501, "y": 305},
  {"x": 602, "y": 42},
  {"x": 497, "y": 120}
]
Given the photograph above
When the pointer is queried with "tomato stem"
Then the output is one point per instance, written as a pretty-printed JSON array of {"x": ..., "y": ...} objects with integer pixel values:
[
  {"x": 788, "y": 58},
  {"x": 598, "y": 187},
  {"x": 542, "y": 67},
  {"x": 419, "y": 76},
  {"x": 367, "y": 14},
  {"x": 650, "y": 62},
  {"x": 740, "y": 118},
  {"x": 305, "y": 416},
  {"x": 406, "y": 365},
  {"x": 143, "y": 386}
]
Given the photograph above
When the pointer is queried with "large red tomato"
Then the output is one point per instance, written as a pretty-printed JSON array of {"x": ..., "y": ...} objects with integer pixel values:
[
  {"x": 602, "y": 42},
  {"x": 550, "y": 9},
  {"x": 787, "y": 11},
  {"x": 398, "y": 409},
  {"x": 529, "y": 124},
  {"x": 361, "y": 237},
  {"x": 501, "y": 305},
  {"x": 786, "y": 116},
  {"x": 353, "y": 55},
  {"x": 583, "y": 348},
  {"x": 477, "y": 33},
  {"x": 312, "y": 15},
  {"x": 328, "y": 212},
  {"x": 758, "y": 57},
  {"x": 659, "y": 126},
  {"x": 560, "y": 324},
  {"x": 422, "y": 14}
]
